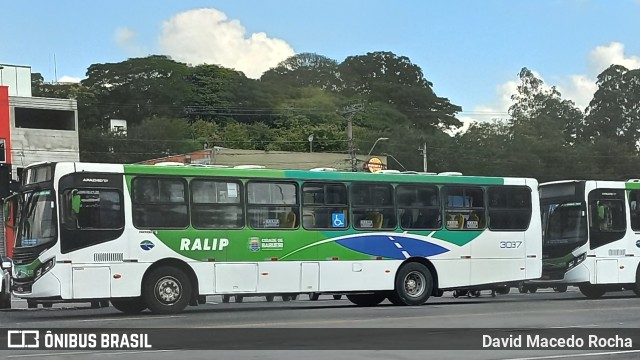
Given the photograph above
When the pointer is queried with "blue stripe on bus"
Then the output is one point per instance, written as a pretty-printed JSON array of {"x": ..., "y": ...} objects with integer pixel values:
[{"x": 392, "y": 247}]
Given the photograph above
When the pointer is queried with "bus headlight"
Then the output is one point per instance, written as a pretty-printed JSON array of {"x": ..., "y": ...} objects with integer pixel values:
[
  {"x": 576, "y": 261},
  {"x": 44, "y": 268}
]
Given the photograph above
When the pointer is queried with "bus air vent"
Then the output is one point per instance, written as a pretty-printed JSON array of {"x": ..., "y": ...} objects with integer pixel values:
[
  {"x": 108, "y": 257},
  {"x": 617, "y": 252}
]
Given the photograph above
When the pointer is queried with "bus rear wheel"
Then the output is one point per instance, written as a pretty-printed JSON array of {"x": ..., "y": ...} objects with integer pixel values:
[
  {"x": 636, "y": 288},
  {"x": 591, "y": 292},
  {"x": 129, "y": 306},
  {"x": 166, "y": 290},
  {"x": 367, "y": 299},
  {"x": 560, "y": 288},
  {"x": 414, "y": 284}
]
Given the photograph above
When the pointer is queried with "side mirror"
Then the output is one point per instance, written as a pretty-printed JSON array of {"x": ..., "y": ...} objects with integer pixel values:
[
  {"x": 9, "y": 206},
  {"x": 75, "y": 201},
  {"x": 6, "y": 263}
]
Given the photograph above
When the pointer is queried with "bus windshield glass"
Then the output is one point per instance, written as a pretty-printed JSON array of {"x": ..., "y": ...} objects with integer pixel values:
[
  {"x": 37, "y": 221},
  {"x": 564, "y": 223}
]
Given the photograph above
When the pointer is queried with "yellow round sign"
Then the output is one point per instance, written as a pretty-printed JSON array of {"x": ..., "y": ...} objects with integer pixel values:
[{"x": 374, "y": 165}]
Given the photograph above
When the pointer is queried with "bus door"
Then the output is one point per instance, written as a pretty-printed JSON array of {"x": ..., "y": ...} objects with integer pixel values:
[
  {"x": 607, "y": 229},
  {"x": 91, "y": 220}
]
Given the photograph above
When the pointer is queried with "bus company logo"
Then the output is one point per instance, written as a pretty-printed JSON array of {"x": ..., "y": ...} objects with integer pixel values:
[
  {"x": 638, "y": 243},
  {"x": 147, "y": 245},
  {"x": 254, "y": 244},
  {"x": 23, "y": 339}
]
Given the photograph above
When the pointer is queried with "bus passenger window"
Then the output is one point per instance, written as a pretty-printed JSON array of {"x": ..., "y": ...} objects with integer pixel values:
[
  {"x": 372, "y": 206},
  {"x": 324, "y": 206},
  {"x": 216, "y": 204},
  {"x": 464, "y": 208},
  {"x": 509, "y": 208},
  {"x": 418, "y": 206},
  {"x": 273, "y": 205}
]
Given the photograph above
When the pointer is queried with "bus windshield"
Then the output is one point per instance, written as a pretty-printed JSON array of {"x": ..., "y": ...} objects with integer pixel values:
[
  {"x": 564, "y": 223},
  {"x": 37, "y": 221}
]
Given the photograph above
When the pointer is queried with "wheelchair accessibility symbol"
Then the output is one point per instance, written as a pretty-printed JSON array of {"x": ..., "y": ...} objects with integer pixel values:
[{"x": 337, "y": 220}]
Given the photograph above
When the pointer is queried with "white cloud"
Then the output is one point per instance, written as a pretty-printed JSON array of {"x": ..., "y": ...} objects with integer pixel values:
[
  {"x": 126, "y": 40},
  {"x": 576, "y": 87},
  {"x": 207, "y": 36},
  {"x": 604, "y": 56},
  {"x": 579, "y": 88},
  {"x": 69, "y": 79}
]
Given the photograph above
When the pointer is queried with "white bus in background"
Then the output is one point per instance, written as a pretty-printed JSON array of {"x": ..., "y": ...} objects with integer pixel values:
[{"x": 591, "y": 236}]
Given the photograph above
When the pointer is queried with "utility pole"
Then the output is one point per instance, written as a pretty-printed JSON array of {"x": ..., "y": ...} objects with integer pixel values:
[
  {"x": 350, "y": 111},
  {"x": 424, "y": 155}
]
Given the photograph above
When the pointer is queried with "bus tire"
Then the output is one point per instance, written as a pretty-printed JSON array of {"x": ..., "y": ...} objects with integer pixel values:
[
  {"x": 337, "y": 297},
  {"x": 129, "y": 306},
  {"x": 394, "y": 299},
  {"x": 226, "y": 298},
  {"x": 5, "y": 301},
  {"x": 560, "y": 288},
  {"x": 166, "y": 290},
  {"x": 532, "y": 289},
  {"x": 269, "y": 298},
  {"x": 314, "y": 296},
  {"x": 239, "y": 298},
  {"x": 286, "y": 298},
  {"x": 414, "y": 284},
  {"x": 522, "y": 289},
  {"x": 32, "y": 304},
  {"x": 367, "y": 299},
  {"x": 503, "y": 290},
  {"x": 591, "y": 292},
  {"x": 636, "y": 288}
]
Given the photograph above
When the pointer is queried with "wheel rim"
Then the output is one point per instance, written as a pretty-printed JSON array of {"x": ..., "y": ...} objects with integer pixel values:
[
  {"x": 168, "y": 290},
  {"x": 414, "y": 284}
]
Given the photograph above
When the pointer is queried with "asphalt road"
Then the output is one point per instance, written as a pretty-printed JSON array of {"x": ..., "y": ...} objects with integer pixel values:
[{"x": 544, "y": 310}]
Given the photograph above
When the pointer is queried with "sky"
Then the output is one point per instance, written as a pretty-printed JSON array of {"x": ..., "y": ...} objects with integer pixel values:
[{"x": 472, "y": 51}]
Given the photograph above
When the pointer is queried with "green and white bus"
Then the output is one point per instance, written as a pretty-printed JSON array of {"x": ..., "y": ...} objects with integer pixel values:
[
  {"x": 164, "y": 237},
  {"x": 590, "y": 236}
]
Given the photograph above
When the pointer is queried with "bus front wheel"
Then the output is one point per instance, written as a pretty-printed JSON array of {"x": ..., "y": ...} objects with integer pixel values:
[
  {"x": 5, "y": 301},
  {"x": 591, "y": 292},
  {"x": 129, "y": 306},
  {"x": 166, "y": 290},
  {"x": 414, "y": 284}
]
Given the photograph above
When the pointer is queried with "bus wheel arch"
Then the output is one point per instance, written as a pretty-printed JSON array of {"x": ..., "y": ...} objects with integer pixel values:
[
  {"x": 413, "y": 275},
  {"x": 179, "y": 273}
]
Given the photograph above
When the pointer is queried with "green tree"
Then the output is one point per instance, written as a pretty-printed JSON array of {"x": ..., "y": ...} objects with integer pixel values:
[
  {"x": 138, "y": 89},
  {"x": 614, "y": 112},
  {"x": 305, "y": 69},
  {"x": 388, "y": 78}
]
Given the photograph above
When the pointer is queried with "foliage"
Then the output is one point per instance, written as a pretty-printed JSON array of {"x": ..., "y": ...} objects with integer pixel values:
[{"x": 175, "y": 108}]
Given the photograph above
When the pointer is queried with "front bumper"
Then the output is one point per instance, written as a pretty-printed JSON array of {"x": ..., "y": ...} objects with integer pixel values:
[{"x": 47, "y": 286}]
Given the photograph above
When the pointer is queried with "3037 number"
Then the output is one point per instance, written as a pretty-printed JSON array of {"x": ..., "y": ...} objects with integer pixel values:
[{"x": 510, "y": 244}]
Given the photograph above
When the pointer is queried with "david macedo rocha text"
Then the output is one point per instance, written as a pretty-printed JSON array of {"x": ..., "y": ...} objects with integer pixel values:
[{"x": 572, "y": 341}]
